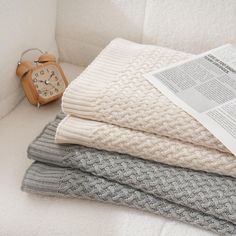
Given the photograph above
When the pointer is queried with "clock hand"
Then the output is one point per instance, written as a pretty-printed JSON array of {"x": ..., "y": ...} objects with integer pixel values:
[
  {"x": 51, "y": 76},
  {"x": 46, "y": 81}
]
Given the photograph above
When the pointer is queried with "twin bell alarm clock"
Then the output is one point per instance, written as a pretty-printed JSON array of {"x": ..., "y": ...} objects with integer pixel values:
[{"x": 43, "y": 80}]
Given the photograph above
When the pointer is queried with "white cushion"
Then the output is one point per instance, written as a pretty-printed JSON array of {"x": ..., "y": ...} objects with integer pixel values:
[
  {"x": 71, "y": 71},
  {"x": 85, "y": 27},
  {"x": 192, "y": 26},
  {"x": 24, "y": 24}
]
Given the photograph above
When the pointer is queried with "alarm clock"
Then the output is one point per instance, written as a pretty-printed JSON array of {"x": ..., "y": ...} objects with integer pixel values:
[{"x": 43, "y": 80}]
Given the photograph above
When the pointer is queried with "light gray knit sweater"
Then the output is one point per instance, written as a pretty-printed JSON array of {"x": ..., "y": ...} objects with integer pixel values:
[{"x": 202, "y": 199}]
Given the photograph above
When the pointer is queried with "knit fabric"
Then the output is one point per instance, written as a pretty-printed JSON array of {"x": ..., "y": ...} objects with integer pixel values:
[
  {"x": 206, "y": 193},
  {"x": 113, "y": 90},
  {"x": 63, "y": 182},
  {"x": 145, "y": 145}
]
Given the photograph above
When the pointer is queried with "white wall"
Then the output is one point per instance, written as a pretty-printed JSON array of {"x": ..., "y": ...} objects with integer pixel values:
[
  {"x": 23, "y": 24},
  {"x": 84, "y": 27}
]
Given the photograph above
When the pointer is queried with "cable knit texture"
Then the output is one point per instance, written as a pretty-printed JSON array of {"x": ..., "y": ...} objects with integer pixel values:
[
  {"x": 62, "y": 182},
  {"x": 145, "y": 145},
  {"x": 113, "y": 90},
  {"x": 194, "y": 191}
]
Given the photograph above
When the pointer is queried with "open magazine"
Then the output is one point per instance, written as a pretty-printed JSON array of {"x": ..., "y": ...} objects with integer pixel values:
[{"x": 205, "y": 87}]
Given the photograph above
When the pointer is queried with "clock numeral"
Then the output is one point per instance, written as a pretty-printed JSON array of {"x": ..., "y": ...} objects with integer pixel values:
[
  {"x": 56, "y": 89},
  {"x": 36, "y": 75},
  {"x": 56, "y": 78},
  {"x": 41, "y": 72},
  {"x": 58, "y": 84},
  {"x": 36, "y": 86},
  {"x": 48, "y": 70},
  {"x": 51, "y": 93},
  {"x": 35, "y": 80},
  {"x": 45, "y": 93}
]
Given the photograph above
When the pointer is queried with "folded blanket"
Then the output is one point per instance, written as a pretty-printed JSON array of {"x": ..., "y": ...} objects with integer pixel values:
[
  {"x": 113, "y": 90},
  {"x": 207, "y": 194},
  {"x": 63, "y": 182},
  {"x": 145, "y": 145}
]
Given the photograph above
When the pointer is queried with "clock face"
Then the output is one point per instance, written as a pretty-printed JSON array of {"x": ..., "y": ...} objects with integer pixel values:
[{"x": 48, "y": 81}]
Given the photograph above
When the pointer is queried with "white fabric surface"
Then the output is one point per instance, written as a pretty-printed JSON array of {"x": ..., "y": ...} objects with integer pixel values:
[
  {"x": 24, "y": 24},
  {"x": 71, "y": 71},
  {"x": 23, "y": 214},
  {"x": 192, "y": 26},
  {"x": 85, "y": 27}
]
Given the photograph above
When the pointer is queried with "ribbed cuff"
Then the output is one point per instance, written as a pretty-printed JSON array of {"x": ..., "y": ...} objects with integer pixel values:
[
  {"x": 77, "y": 131},
  {"x": 44, "y": 148},
  {"x": 43, "y": 179},
  {"x": 80, "y": 97}
]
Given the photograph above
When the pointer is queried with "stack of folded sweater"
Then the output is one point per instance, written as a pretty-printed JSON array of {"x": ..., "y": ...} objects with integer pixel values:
[{"x": 121, "y": 141}]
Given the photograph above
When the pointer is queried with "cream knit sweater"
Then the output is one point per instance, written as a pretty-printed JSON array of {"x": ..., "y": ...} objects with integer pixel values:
[
  {"x": 113, "y": 90},
  {"x": 144, "y": 145}
]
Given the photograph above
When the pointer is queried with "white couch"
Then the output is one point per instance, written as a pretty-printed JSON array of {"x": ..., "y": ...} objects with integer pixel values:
[{"x": 77, "y": 30}]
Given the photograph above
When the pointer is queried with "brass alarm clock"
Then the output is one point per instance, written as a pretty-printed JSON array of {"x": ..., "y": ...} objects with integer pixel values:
[{"x": 43, "y": 80}]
